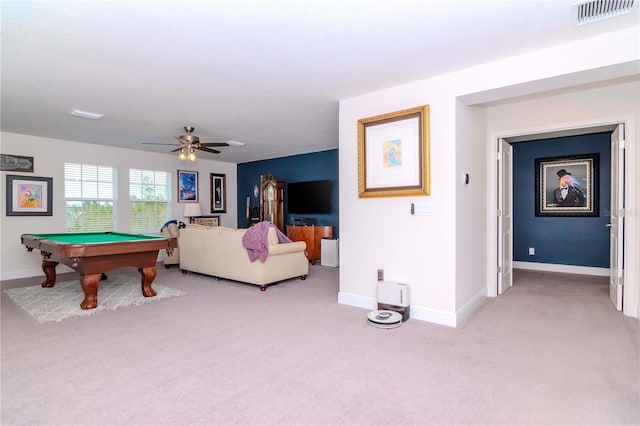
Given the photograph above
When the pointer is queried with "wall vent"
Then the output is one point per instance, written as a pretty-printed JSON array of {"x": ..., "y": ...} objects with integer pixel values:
[{"x": 596, "y": 10}]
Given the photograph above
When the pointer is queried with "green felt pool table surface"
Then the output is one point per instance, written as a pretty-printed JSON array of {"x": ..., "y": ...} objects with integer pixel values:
[{"x": 95, "y": 237}]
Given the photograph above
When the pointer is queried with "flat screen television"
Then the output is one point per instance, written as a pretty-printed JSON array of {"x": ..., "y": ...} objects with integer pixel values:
[{"x": 313, "y": 197}]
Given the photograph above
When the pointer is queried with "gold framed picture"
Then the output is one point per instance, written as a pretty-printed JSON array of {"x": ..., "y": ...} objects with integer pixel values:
[{"x": 393, "y": 154}]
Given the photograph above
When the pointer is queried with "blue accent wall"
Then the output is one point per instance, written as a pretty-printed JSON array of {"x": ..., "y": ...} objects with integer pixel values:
[
  {"x": 296, "y": 168},
  {"x": 580, "y": 241}
]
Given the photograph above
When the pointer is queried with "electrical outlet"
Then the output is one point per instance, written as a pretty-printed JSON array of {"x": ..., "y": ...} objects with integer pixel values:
[
  {"x": 380, "y": 274},
  {"x": 532, "y": 251}
]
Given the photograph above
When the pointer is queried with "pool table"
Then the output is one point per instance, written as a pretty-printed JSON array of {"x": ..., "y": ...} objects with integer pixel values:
[{"x": 94, "y": 253}]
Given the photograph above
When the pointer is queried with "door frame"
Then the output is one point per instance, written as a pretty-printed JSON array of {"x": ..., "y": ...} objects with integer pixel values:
[{"x": 631, "y": 306}]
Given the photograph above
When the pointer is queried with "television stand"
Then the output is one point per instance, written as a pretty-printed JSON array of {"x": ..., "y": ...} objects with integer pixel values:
[{"x": 312, "y": 235}]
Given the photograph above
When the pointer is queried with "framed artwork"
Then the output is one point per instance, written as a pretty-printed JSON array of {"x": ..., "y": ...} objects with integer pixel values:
[
  {"x": 218, "y": 193},
  {"x": 567, "y": 186},
  {"x": 16, "y": 163},
  {"x": 187, "y": 186},
  {"x": 29, "y": 196},
  {"x": 207, "y": 220},
  {"x": 393, "y": 154}
]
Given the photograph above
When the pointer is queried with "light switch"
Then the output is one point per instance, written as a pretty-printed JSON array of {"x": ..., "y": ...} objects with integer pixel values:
[{"x": 423, "y": 209}]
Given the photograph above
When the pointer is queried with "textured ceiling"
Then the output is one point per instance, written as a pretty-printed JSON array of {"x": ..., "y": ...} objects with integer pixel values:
[{"x": 266, "y": 73}]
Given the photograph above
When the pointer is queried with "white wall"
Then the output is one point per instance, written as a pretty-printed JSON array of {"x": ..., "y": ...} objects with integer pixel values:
[
  {"x": 381, "y": 232},
  {"x": 49, "y": 158},
  {"x": 471, "y": 208},
  {"x": 440, "y": 255}
]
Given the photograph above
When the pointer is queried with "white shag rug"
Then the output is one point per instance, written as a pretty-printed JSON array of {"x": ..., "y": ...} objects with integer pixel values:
[{"x": 63, "y": 300}]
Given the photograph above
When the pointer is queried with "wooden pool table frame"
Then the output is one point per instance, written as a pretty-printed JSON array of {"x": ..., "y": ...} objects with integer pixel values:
[{"x": 91, "y": 260}]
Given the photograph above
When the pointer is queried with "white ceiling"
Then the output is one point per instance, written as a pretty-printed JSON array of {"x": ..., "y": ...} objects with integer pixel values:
[{"x": 268, "y": 73}]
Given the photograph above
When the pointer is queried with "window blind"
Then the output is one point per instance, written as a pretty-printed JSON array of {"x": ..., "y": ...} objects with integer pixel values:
[
  {"x": 90, "y": 193},
  {"x": 149, "y": 194}
]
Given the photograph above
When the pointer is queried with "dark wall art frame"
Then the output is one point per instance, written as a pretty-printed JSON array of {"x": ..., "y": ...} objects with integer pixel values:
[
  {"x": 567, "y": 186},
  {"x": 187, "y": 186},
  {"x": 29, "y": 196},
  {"x": 16, "y": 163},
  {"x": 218, "y": 193}
]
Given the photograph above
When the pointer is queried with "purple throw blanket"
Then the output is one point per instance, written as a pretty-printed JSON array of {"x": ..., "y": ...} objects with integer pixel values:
[{"x": 256, "y": 240}]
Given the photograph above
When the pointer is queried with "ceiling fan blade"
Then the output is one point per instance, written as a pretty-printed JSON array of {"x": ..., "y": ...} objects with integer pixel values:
[
  {"x": 153, "y": 143},
  {"x": 176, "y": 150},
  {"x": 204, "y": 148},
  {"x": 215, "y": 144}
]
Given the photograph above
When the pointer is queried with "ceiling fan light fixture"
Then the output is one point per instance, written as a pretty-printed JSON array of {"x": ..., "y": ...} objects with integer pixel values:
[
  {"x": 192, "y": 155},
  {"x": 182, "y": 155}
]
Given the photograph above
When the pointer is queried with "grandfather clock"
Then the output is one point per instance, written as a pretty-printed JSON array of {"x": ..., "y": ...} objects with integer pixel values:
[{"x": 272, "y": 197}]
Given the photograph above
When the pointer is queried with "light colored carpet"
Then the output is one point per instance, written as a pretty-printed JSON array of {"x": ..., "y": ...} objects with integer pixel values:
[
  {"x": 63, "y": 300},
  {"x": 551, "y": 351}
]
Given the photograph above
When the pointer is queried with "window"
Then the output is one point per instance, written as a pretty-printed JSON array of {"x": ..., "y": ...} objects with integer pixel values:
[
  {"x": 90, "y": 197},
  {"x": 150, "y": 196}
]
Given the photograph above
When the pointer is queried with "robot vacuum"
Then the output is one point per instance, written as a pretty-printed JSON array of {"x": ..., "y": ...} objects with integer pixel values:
[{"x": 384, "y": 319}]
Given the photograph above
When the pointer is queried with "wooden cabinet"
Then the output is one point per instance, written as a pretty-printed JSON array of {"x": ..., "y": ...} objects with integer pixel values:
[
  {"x": 272, "y": 198},
  {"x": 312, "y": 235}
]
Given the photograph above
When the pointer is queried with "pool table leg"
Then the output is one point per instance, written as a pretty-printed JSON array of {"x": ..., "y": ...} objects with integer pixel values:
[
  {"x": 90, "y": 288},
  {"x": 49, "y": 269},
  {"x": 148, "y": 275}
]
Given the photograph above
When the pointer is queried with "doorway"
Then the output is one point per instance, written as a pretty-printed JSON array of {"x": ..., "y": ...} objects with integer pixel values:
[{"x": 502, "y": 175}]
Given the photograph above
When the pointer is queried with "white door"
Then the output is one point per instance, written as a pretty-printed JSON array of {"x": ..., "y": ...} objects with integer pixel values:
[
  {"x": 505, "y": 217},
  {"x": 616, "y": 223}
]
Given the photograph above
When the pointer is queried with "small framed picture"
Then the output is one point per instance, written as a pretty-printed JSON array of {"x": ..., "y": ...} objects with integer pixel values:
[
  {"x": 187, "y": 186},
  {"x": 218, "y": 193},
  {"x": 16, "y": 163},
  {"x": 29, "y": 196},
  {"x": 567, "y": 186},
  {"x": 207, "y": 220}
]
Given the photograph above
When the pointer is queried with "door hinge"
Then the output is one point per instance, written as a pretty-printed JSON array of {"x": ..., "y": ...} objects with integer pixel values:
[
  {"x": 499, "y": 156},
  {"x": 622, "y": 144},
  {"x": 499, "y": 269},
  {"x": 621, "y": 213},
  {"x": 621, "y": 281},
  {"x": 499, "y": 212}
]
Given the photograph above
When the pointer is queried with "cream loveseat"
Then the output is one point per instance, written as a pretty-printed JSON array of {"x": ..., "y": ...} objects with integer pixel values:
[{"x": 218, "y": 251}]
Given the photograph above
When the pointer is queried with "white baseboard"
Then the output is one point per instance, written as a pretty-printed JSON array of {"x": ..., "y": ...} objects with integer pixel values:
[
  {"x": 35, "y": 272},
  {"x": 357, "y": 301},
  {"x": 421, "y": 314},
  {"x": 566, "y": 269},
  {"x": 471, "y": 306},
  {"x": 22, "y": 273},
  {"x": 434, "y": 316}
]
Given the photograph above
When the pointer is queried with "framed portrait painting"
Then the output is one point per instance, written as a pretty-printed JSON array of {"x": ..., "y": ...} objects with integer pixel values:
[
  {"x": 187, "y": 186},
  {"x": 567, "y": 186},
  {"x": 218, "y": 193},
  {"x": 393, "y": 154},
  {"x": 29, "y": 196}
]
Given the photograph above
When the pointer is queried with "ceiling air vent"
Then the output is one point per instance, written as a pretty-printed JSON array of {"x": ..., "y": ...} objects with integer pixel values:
[{"x": 596, "y": 10}]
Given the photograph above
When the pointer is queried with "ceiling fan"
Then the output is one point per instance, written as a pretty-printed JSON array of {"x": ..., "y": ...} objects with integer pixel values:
[{"x": 189, "y": 142}]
